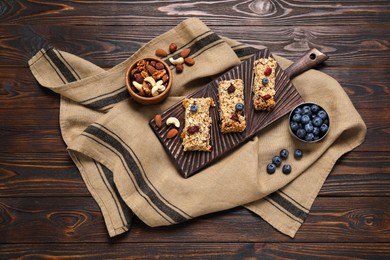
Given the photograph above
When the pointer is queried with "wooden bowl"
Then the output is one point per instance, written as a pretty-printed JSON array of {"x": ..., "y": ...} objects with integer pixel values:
[{"x": 137, "y": 95}]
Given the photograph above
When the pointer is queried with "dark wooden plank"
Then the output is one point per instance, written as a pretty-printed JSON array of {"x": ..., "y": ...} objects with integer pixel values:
[
  {"x": 37, "y": 130},
  {"x": 221, "y": 13},
  {"x": 356, "y": 174},
  {"x": 105, "y": 46},
  {"x": 55, "y": 220},
  {"x": 18, "y": 87},
  {"x": 199, "y": 251}
]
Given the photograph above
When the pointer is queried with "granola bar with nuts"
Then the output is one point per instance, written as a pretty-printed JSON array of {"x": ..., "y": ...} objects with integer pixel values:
[
  {"x": 197, "y": 121},
  {"x": 264, "y": 84},
  {"x": 231, "y": 105}
]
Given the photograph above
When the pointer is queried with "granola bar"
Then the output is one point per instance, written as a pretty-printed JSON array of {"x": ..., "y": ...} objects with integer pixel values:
[
  {"x": 264, "y": 84},
  {"x": 197, "y": 121},
  {"x": 231, "y": 105}
]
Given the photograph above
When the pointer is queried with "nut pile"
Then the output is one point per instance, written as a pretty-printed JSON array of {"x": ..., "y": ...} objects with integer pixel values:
[
  {"x": 149, "y": 78},
  {"x": 178, "y": 62}
]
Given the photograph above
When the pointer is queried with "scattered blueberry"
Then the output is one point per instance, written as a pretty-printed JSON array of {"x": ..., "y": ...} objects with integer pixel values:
[
  {"x": 286, "y": 169},
  {"x": 298, "y": 154},
  {"x": 271, "y": 168},
  {"x": 264, "y": 81},
  {"x": 194, "y": 108},
  {"x": 239, "y": 106},
  {"x": 284, "y": 154},
  {"x": 277, "y": 161}
]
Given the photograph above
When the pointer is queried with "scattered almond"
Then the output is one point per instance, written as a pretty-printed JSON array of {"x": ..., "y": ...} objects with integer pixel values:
[
  {"x": 172, "y": 47},
  {"x": 161, "y": 53},
  {"x": 172, "y": 133},
  {"x": 158, "y": 120},
  {"x": 184, "y": 53},
  {"x": 189, "y": 61},
  {"x": 179, "y": 68}
]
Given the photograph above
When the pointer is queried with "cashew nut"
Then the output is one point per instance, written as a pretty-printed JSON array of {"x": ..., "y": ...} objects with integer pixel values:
[
  {"x": 177, "y": 61},
  {"x": 137, "y": 85},
  {"x": 173, "y": 121},
  {"x": 150, "y": 80},
  {"x": 155, "y": 91},
  {"x": 160, "y": 86}
]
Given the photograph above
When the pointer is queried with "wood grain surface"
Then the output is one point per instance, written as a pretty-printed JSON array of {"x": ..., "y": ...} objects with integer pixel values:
[{"x": 46, "y": 210}]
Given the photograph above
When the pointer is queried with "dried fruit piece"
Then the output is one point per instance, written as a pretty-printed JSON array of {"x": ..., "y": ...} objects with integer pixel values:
[
  {"x": 231, "y": 89},
  {"x": 172, "y": 47},
  {"x": 189, "y": 61},
  {"x": 267, "y": 71},
  {"x": 266, "y": 97},
  {"x": 161, "y": 53},
  {"x": 193, "y": 129},
  {"x": 234, "y": 117},
  {"x": 185, "y": 53},
  {"x": 158, "y": 120},
  {"x": 172, "y": 133}
]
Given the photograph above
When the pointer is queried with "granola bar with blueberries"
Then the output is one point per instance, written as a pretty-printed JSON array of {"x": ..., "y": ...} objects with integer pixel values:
[
  {"x": 264, "y": 84},
  {"x": 231, "y": 105},
  {"x": 197, "y": 121}
]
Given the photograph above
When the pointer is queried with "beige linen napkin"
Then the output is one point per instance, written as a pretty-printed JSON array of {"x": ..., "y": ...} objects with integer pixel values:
[{"x": 127, "y": 170}]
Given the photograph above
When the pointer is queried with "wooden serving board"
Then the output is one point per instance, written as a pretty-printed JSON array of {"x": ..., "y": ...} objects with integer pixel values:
[{"x": 192, "y": 162}]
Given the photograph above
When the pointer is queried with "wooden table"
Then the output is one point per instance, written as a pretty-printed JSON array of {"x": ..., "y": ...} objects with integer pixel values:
[{"x": 45, "y": 209}]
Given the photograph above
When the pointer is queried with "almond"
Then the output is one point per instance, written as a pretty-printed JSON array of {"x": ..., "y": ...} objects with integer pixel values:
[
  {"x": 179, "y": 68},
  {"x": 161, "y": 53},
  {"x": 184, "y": 53},
  {"x": 172, "y": 133},
  {"x": 172, "y": 47},
  {"x": 189, "y": 61},
  {"x": 158, "y": 120}
]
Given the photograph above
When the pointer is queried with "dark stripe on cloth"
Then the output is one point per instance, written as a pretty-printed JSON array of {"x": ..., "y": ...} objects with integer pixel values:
[
  {"x": 287, "y": 205},
  {"x": 111, "y": 100},
  {"x": 119, "y": 203},
  {"x": 198, "y": 45},
  {"x": 136, "y": 172},
  {"x": 70, "y": 66},
  {"x": 54, "y": 68},
  {"x": 296, "y": 202},
  {"x": 246, "y": 51},
  {"x": 278, "y": 207},
  {"x": 60, "y": 65}
]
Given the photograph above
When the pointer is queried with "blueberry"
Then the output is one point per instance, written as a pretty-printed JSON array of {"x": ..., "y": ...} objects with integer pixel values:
[
  {"x": 264, "y": 81},
  {"x": 309, "y": 127},
  {"x": 294, "y": 126},
  {"x": 298, "y": 154},
  {"x": 317, "y": 121},
  {"x": 309, "y": 137},
  {"x": 277, "y": 161},
  {"x": 301, "y": 133},
  {"x": 306, "y": 110},
  {"x": 194, "y": 108},
  {"x": 316, "y": 131},
  {"x": 316, "y": 137},
  {"x": 298, "y": 110},
  {"x": 297, "y": 118},
  {"x": 239, "y": 106},
  {"x": 286, "y": 169},
  {"x": 314, "y": 108},
  {"x": 305, "y": 119},
  {"x": 271, "y": 168},
  {"x": 322, "y": 114},
  {"x": 284, "y": 154},
  {"x": 324, "y": 128},
  {"x": 326, "y": 121}
]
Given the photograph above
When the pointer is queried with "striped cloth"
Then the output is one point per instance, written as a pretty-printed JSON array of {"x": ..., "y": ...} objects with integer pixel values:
[{"x": 126, "y": 169}]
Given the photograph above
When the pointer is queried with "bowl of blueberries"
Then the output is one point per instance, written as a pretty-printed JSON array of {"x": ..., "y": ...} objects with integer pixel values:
[{"x": 309, "y": 122}]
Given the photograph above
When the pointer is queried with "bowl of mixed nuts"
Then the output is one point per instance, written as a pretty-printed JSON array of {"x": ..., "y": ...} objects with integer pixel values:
[{"x": 149, "y": 80}]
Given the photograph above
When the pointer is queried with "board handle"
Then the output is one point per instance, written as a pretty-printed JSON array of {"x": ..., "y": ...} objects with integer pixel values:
[{"x": 309, "y": 60}]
